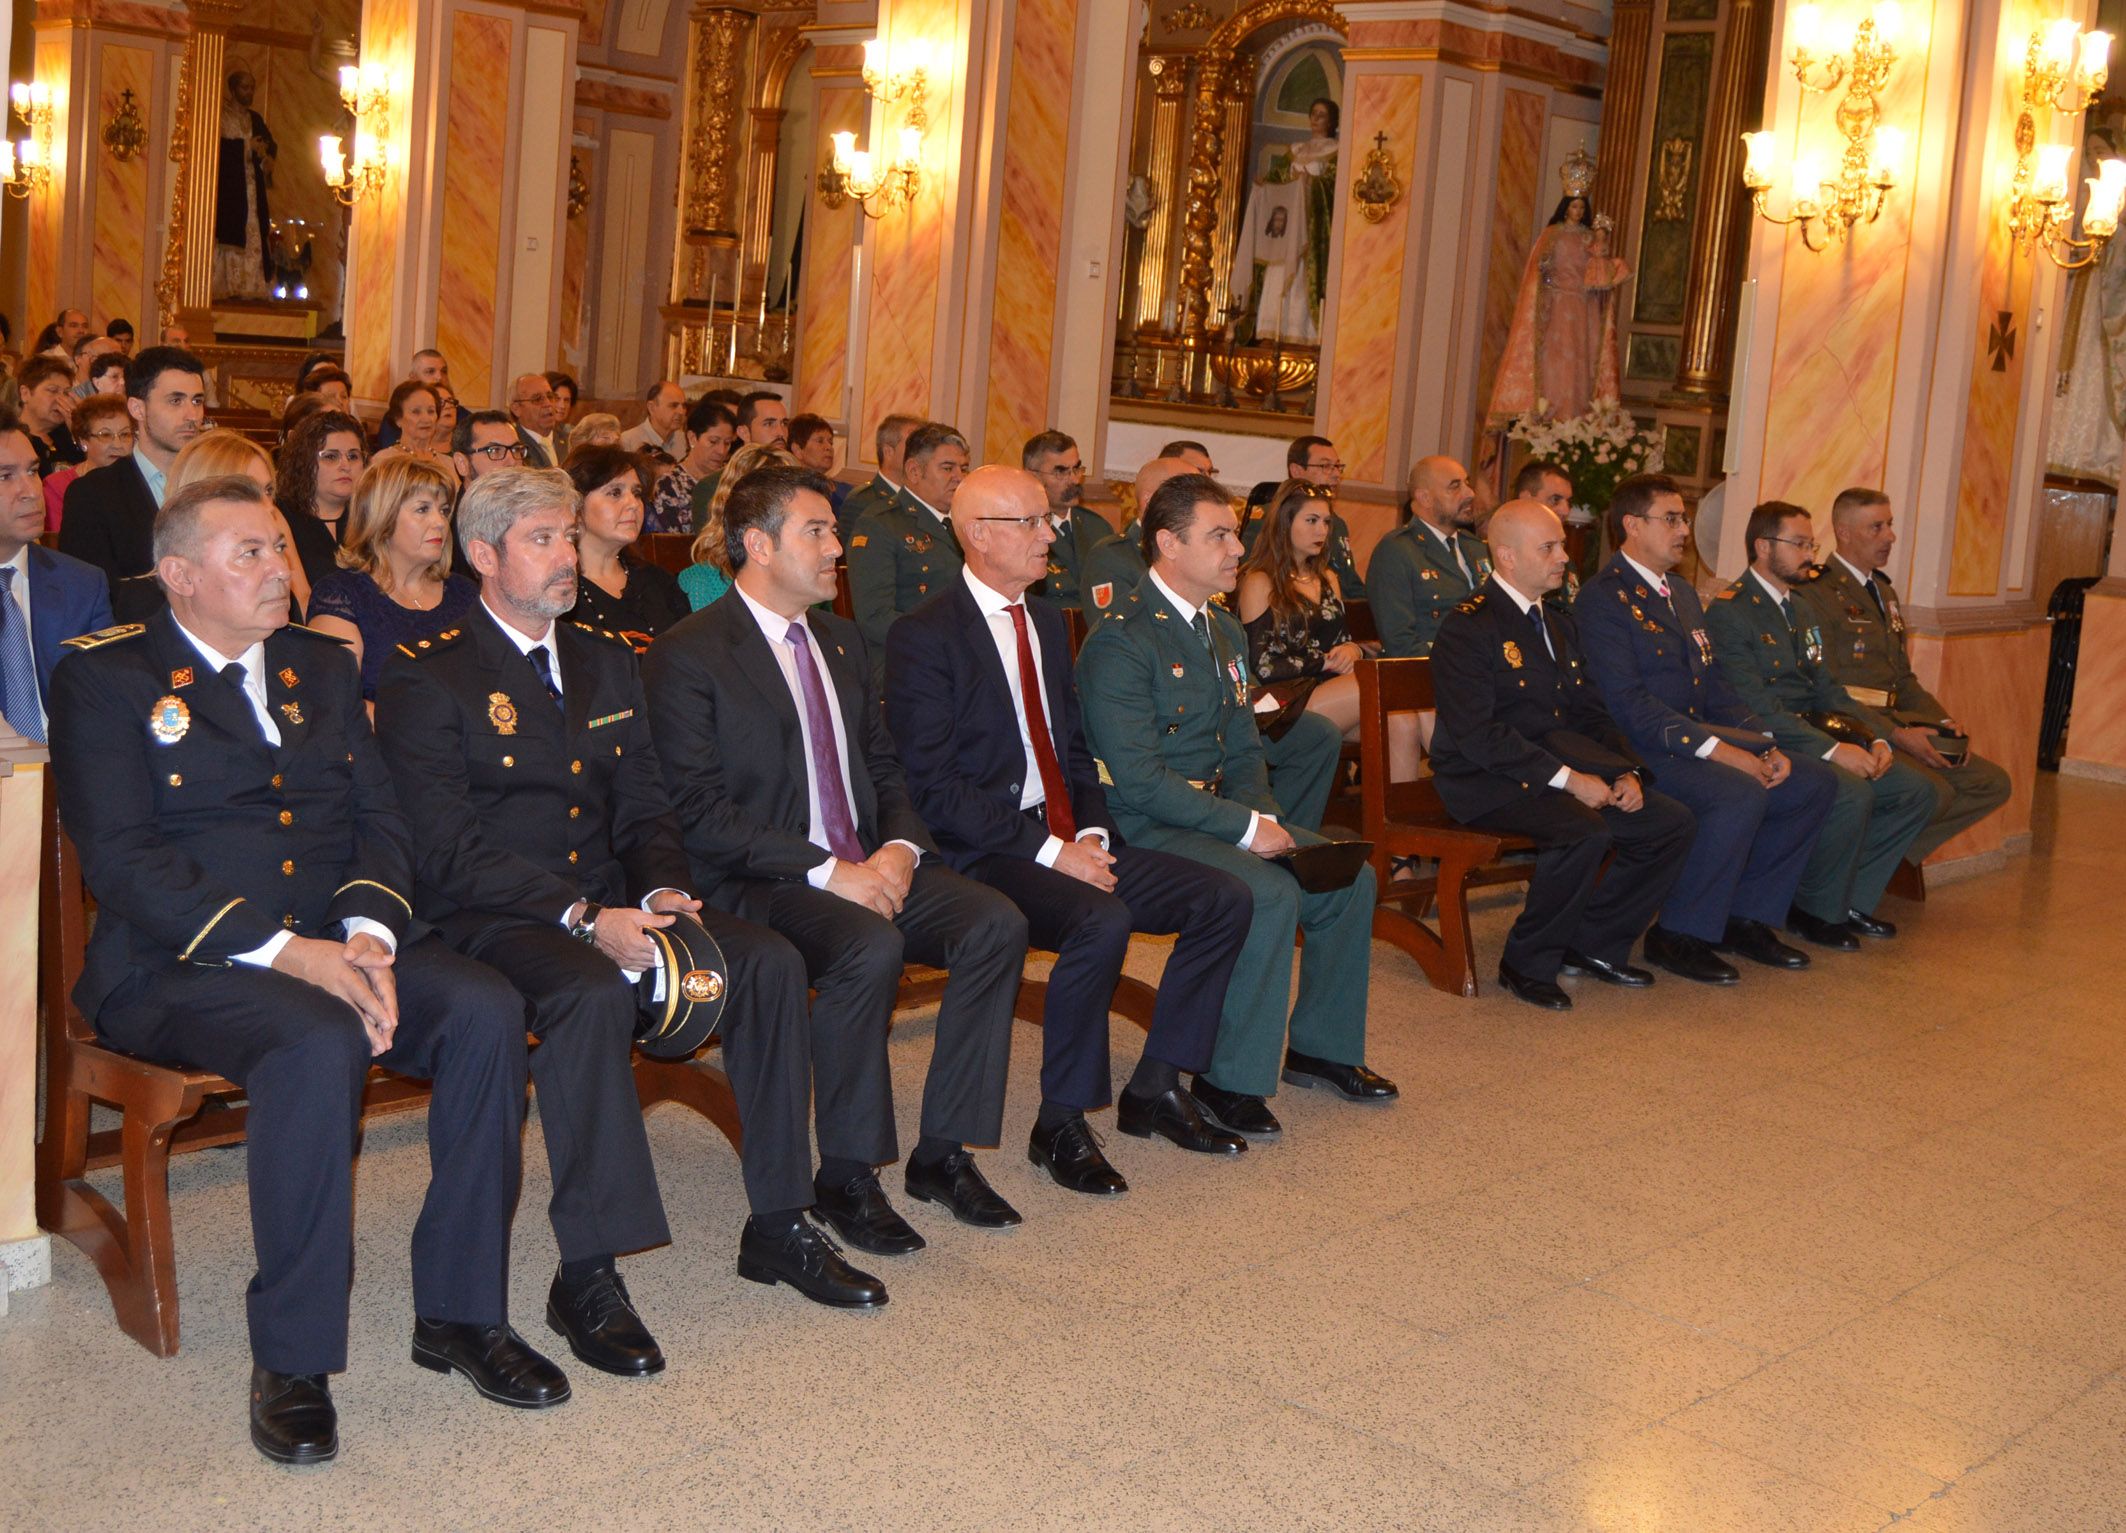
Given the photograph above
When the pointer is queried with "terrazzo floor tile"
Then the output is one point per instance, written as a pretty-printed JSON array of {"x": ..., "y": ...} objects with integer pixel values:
[{"x": 1703, "y": 1285}]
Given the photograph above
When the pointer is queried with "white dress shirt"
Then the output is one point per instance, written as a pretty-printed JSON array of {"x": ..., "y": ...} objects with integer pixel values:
[
  {"x": 996, "y": 612},
  {"x": 20, "y": 592},
  {"x": 1188, "y": 615},
  {"x": 1563, "y": 774},
  {"x": 942, "y": 519}
]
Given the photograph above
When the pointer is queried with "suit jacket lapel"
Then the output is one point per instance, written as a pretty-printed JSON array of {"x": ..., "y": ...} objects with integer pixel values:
[
  {"x": 752, "y": 659},
  {"x": 978, "y": 639},
  {"x": 285, "y": 699}
]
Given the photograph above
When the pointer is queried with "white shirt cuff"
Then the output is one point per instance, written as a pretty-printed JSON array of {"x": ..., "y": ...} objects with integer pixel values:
[
  {"x": 1255, "y": 820},
  {"x": 1707, "y": 747},
  {"x": 361, "y": 925},
  {"x": 263, "y": 955},
  {"x": 667, "y": 890},
  {"x": 1832, "y": 753},
  {"x": 1050, "y": 850},
  {"x": 1099, "y": 833},
  {"x": 913, "y": 850},
  {"x": 1560, "y": 777},
  {"x": 817, "y": 877}
]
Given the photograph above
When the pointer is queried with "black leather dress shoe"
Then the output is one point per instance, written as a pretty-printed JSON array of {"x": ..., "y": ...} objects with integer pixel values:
[
  {"x": 598, "y": 1320},
  {"x": 1545, "y": 993},
  {"x": 1587, "y": 967},
  {"x": 956, "y": 1183},
  {"x": 1835, "y": 935},
  {"x": 292, "y": 1419},
  {"x": 1354, "y": 1083},
  {"x": 1070, "y": 1152},
  {"x": 1870, "y": 926},
  {"x": 1760, "y": 944},
  {"x": 861, "y": 1215},
  {"x": 810, "y": 1262},
  {"x": 1174, "y": 1115},
  {"x": 1690, "y": 958},
  {"x": 500, "y": 1364},
  {"x": 1236, "y": 1110}
]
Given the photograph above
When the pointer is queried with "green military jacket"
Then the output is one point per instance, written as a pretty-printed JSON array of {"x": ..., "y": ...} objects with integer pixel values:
[
  {"x": 876, "y": 495},
  {"x": 1114, "y": 567},
  {"x": 1167, "y": 718},
  {"x": 1779, "y": 670},
  {"x": 704, "y": 492},
  {"x": 897, "y": 558},
  {"x": 1864, "y": 645},
  {"x": 1341, "y": 558},
  {"x": 1067, "y": 556},
  {"x": 1414, "y": 581}
]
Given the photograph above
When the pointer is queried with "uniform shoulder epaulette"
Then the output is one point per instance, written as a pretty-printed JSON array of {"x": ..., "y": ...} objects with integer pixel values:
[
  {"x": 422, "y": 648},
  {"x": 1121, "y": 610},
  {"x": 103, "y": 636},
  {"x": 601, "y": 633},
  {"x": 329, "y": 638},
  {"x": 1728, "y": 593},
  {"x": 1472, "y": 604}
]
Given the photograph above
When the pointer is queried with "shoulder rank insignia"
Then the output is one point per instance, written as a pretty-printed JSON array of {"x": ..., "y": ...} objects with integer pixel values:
[
  {"x": 1512, "y": 652},
  {"x": 860, "y": 540},
  {"x": 1730, "y": 593},
  {"x": 106, "y": 636},
  {"x": 168, "y": 720},
  {"x": 181, "y": 677},
  {"x": 502, "y": 713},
  {"x": 288, "y": 676},
  {"x": 1107, "y": 778}
]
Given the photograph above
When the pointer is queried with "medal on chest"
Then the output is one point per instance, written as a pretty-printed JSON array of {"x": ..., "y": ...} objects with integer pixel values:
[
  {"x": 1704, "y": 642},
  {"x": 1240, "y": 682},
  {"x": 1812, "y": 644},
  {"x": 501, "y": 713}
]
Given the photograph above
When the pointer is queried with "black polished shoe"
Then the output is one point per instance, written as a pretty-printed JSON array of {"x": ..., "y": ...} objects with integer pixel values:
[
  {"x": 1760, "y": 944},
  {"x": 1545, "y": 993},
  {"x": 861, "y": 1215},
  {"x": 1624, "y": 974},
  {"x": 810, "y": 1262},
  {"x": 1354, "y": 1083},
  {"x": 1690, "y": 958},
  {"x": 1870, "y": 926},
  {"x": 1835, "y": 935},
  {"x": 1236, "y": 1110},
  {"x": 500, "y": 1364},
  {"x": 1174, "y": 1115},
  {"x": 1070, "y": 1152},
  {"x": 598, "y": 1320},
  {"x": 292, "y": 1419},
  {"x": 958, "y": 1185}
]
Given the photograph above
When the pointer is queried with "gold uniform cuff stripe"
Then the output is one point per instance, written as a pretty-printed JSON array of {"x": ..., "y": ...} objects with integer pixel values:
[
  {"x": 202, "y": 934},
  {"x": 370, "y": 883}
]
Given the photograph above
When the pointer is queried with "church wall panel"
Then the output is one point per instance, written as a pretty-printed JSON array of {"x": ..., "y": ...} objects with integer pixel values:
[
  {"x": 821, "y": 382},
  {"x": 122, "y": 221},
  {"x": 628, "y": 189},
  {"x": 474, "y": 158},
  {"x": 377, "y": 282},
  {"x": 1993, "y": 685}
]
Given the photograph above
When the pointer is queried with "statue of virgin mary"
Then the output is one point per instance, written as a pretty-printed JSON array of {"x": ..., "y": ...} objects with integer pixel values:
[{"x": 1561, "y": 352}]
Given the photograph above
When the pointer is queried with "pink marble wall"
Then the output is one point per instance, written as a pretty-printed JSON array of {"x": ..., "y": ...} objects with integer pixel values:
[
  {"x": 575, "y": 260},
  {"x": 118, "y": 276},
  {"x": 54, "y": 66},
  {"x": 476, "y": 140},
  {"x": 1994, "y": 685},
  {"x": 1513, "y": 210},
  {"x": 1456, "y": 43},
  {"x": 822, "y": 363},
  {"x": 380, "y": 223}
]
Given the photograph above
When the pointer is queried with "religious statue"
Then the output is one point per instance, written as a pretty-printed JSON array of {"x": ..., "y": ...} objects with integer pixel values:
[
  {"x": 2082, "y": 440},
  {"x": 1281, "y": 259},
  {"x": 243, "y": 227},
  {"x": 1561, "y": 352}
]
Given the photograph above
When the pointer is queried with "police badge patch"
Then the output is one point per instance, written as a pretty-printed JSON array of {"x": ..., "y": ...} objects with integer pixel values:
[
  {"x": 168, "y": 720},
  {"x": 501, "y": 713}
]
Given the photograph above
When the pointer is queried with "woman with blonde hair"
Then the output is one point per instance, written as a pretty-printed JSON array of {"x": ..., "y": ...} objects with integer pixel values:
[
  {"x": 212, "y": 454},
  {"x": 394, "y": 584},
  {"x": 709, "y": 576}
]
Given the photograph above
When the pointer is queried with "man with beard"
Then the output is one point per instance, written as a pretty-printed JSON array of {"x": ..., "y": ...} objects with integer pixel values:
[
  {"x": 1052, "y": 457},
  {"x": 110, "y": 514},
  {"x": 1430, "y": 564}
]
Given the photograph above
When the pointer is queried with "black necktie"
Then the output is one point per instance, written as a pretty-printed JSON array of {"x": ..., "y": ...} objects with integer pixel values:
[
  {"x": 1786, "y": 610},
  {"x": 543, "y": 662},
  {"x": 1875, "y": 590},
  {"x": 1542, "y": 626},
  {"x": 1202, "y": 624},
  {"x": 236, "y": 676}
]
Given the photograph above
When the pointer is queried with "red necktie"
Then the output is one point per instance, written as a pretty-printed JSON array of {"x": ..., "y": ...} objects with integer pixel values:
[{"x": 1053, "y": 787}]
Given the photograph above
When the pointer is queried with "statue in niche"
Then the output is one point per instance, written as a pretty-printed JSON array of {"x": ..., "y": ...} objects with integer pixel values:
[
  {"x": 1561, "y": 352},
  {"x": 2083, "y": 438},
  {"x": 1281, "y": 259},
  {"x": 242, "y": 175}
]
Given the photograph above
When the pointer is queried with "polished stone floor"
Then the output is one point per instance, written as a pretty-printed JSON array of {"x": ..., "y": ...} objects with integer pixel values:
[{"x": 1832, "y": 1251}]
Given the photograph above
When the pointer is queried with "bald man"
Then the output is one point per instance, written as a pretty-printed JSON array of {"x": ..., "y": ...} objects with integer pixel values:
[
  {"x": 981, "y": 700},
  {"x": 534, "y": 408},
  {"x": 1524, "y": 745},
  {"x": 1114, "y": 566},
  {"x": 1431, "y": 562}
]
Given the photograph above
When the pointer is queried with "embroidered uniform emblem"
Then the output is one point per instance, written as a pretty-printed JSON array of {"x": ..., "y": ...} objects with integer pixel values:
[
  {"x": 1512, "y": 652},
  {"x": 168, "y": 720},
  {"x": 288, "y": 676},
  {"x": 181, "y": 677},
  {"x": 502, "y": 713},
  {"x": 701, "y": 985},
  {"x": 1177, "y": 670},
  {"x": 1103, "y": 593},
  {"x": 294, "y": 713}
]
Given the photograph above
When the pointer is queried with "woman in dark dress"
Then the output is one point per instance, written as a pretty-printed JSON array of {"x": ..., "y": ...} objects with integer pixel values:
[
  {"x": 617, "y": 591},
  {"x": 319, "y": 463},
  {"x": 394, "y": 584}
]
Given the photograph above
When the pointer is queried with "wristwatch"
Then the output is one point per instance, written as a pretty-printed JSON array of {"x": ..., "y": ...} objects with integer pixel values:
[{"x": 585, "y": 927}]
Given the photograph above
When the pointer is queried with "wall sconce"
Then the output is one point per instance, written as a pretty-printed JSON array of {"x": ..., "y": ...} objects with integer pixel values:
[
  {"x": 350, "y": 180},
  {"x": 365, "y": 90},
  {"x": 26, "y": 165},
  {"x": 878, "y": 189},
  {"x": 2063, "y": 70},
  {"x": 907, "y": 75},
  {"x": 1826, "y": 208}
]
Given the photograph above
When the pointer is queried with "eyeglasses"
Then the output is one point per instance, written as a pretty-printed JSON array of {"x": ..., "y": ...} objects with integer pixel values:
[
  {"x": 1673, "y": 519},
  {"x": 1023, "y": 523},
  {"x": 125, "y": 435},
  {"x": 340, "y": 456},
  {"x": 1338, "y": 467},
  {"x": 1806, "y": 545},
  {"x": 495, "y": 452}
]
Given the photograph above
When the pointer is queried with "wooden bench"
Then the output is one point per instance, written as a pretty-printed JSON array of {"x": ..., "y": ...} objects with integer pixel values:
[{"x": 1406, "y": 819}]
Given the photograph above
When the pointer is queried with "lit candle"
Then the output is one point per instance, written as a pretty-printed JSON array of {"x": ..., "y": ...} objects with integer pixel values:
[
  {"x": 1760, "y": 159},
  {"x": 2096, "y": 59},
  {"x": 29, "y": 154},
  {"x": 2101, "y": 221},
  {"x": 860, "y": 171},
  {"x": 1806, "y": 27},
  {"x": 1808, "y": 182},
  {"x": 914, "y": 55},
  {"x": 1888, "y": 20},
  {"x": 40, "y": 95},
  {"x": 2049, "y": 182},
  {"x": 874, "y": 58},
  {"x": 2058, "y": 49},
  {"x": 20, "y": 94},
  {"x": 328, "y": 152},
  {"x": 7, "y": 161},
  {"x": 350, "y": 82},
  {"x": 844, "y": 152},
  {"x": 1888, "y": 155},
  {"x": 911, "y": 147}
]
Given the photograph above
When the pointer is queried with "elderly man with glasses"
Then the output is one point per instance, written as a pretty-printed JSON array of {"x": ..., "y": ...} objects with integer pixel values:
[{"x": 536, "y": 411}]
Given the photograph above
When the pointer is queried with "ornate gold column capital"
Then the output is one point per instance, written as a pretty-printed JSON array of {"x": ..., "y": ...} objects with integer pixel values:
[{"x": 213, "y": 15}]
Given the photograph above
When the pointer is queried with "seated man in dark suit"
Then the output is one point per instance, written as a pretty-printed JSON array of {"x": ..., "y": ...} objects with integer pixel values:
[
  {"x": 791, "y": 800},
  {"x": 110, "y": 514},
  {"x": 547, "y": 849},
  {"x": 45, "y": 598},
  {"x": 1524, "y": 745},
  {"x": 981, "y": 702},
  {"x": 252, "y": 874}
]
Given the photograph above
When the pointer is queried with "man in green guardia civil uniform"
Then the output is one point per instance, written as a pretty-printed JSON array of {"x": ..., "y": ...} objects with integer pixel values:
[
  {"x": 883, "y": 488},
  {"x": 900, "y": 555},
  {"x": 1431, "y": 564},
  {"x": 1163, "y": 682},
  {"x": 1053, "y": 458}
]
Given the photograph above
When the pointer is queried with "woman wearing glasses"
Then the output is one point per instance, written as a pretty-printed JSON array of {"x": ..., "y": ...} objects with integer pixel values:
[
  {"x": 104, "y": 428},
  {"x": 615, "y": 590},
  {"x": 319, "y": 464}
]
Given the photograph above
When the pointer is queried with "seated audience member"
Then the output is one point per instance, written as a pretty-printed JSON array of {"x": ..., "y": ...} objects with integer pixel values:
[
  {"x": 1310, "y": 460},
  {"x": 252, "y": 878},
  {"x": 709, "y": 575},
  {"x": 220, "y": 452},
  {"x": 597, "y": 429},
  {"x": 121, "y": 331},
  {"x": 1300, "y": 649},
  {"x": 428, "y": 367},
  {"x": 521, "y": 750},
  {"x": 615, "y": 590},
  {"x": 102, "y": 374},
  {"x": 981, "y": 703},
  {"x": 1052, "y": 457},
  {"x": 414, "y": 414},
  {"x": 566, "y": 393},
  {"x": 298, "y": 407},
  {"x": 1198, "y": 786},
  {"x": 310, "y": 367},
  {"x": 446, "y": 416},
  {"x": 1863, "y": 629},
  {"x": 319, "y": 464},
  {"x": 533, "y": 408},
  {"x": 663, "y": 422},
  {"x": 1114, "y": 566},
  {"x": 331, "y": 384},
  {"x": 46, "y": 385},
  {"x": 709, "y": 431},
  {"x": 1547, "y": 485},
  {"x": 1430, "y": 564},
  {"x": 1524, "y": 746},
  {"x": 812, "y": 445},
  {"x": 104, "y": 428},
  {"x": 394, "y": 585},
  {"x": 762, "y": 422},
  {"x": 46, "y": 598},
  {"x": 484, "y": 441},
  {"x": 900, "y": 555},
  {"x": 1642, "y": 634},
  {"x": 1771, "y": 655},
  {"x": 789, "y": 793},
  {"x": 884, "y": 486},
  {"x": 110, "y": 514},
  {"x": 1193, "y": 453}
]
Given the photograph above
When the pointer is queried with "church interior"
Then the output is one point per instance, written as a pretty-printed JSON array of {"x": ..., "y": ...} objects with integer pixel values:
[{"x": 1821, "y": 1250}]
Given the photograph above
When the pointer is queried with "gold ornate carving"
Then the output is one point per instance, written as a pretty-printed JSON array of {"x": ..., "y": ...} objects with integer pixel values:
[
  {"x": 719, "y": 57},
  {"x": 1375, "y": 188},
  {"x": 579, "y": 186},
  {"x": 1672, "y": 179},
  {"x": 126, "y": 134},
  {"x": 1189, "y": 18},
  {"x": 169, "y": 287}
]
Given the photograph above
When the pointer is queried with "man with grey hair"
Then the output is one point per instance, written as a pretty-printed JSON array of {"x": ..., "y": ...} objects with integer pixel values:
[
  {"x": 885, "y": 486},
  {"x": 522, "y": 750},
  {"x": 899, "y": 555},
  {"x": 663, "y": 423},
  {"x": 536, "y": 411},
  {"x": 1053, "y": 458},
  {"x": 253, "y": 878}
]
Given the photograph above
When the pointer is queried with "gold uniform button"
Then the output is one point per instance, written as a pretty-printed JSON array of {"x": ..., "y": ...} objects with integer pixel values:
[
  {"x": 276, "y": 779},
  {"x": 575, "y": 812},
  {"x": 287, "y": 817},
  {"x": 176, "y": 781},
  {"x": 509, "y": 761},
  {"x": 616, "y": 750},
  {"x": 576, "y": 767},
  {"x": 288, "y": 869},
  {"x": 288, "y": 921},
  {"x": 571, "y": 856}
]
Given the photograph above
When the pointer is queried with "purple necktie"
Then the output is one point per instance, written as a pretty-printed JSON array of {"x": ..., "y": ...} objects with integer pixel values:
[{"x": 838, "y": 822}]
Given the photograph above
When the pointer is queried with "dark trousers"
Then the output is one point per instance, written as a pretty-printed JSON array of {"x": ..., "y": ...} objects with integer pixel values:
[
  {"x": 1089, "y": 931},
  {"x": 1752, "y": 843},
  {"x": 1567, "y": 906},
  {"x": 1871, "y": 826},
  {"x": 853, "y": 958},
  {"x": 301, "y": 1056},
  {"x": 583, "y": 1011}
]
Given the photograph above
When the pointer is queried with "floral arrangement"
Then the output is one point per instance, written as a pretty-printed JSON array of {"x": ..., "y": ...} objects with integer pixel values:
[{"x": 1599, "y": 450}]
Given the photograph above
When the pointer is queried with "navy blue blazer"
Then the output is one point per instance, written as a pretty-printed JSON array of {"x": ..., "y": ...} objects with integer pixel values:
[
  {"x": 949, "y": 708},
  {"x": 1655, "y": 665},
  {"x": 68, "y": 598}
]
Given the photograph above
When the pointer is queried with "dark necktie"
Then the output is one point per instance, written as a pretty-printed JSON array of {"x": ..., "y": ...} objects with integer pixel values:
[
  {"x": 1542, "y": 626},
  {"x": 1201, "y": 622},
  {"x": 1875, "y": 590},
  {"x": 1454, "y": 542},
  {"x": 1786, "y": 610},
  {"x": 835, "y": 818},
  {"x": 543, "y": 662},
  {"x": 236, "y": 676},
  {"x": 18, "y": 666},
  {"x": 1056, "y": 791}
]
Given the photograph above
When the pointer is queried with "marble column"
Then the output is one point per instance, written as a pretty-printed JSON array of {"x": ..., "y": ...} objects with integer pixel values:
[
  {"x": 1720, "y": 238},
  {"x": 1623, "y": 98}
]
